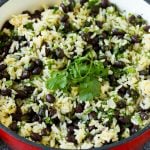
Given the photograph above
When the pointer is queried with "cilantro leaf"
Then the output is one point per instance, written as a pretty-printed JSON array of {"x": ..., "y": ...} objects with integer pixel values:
[
  {"x": 29, "y": 26},
  {"x": 82, "y": 72},
  {"x": 92, "y": 3},
  {"x": 58, "y": 80},
  {"x": 89, "y": 89},
  {"x": 48, "y": 120},
  {"x": 99, "y": 70}
]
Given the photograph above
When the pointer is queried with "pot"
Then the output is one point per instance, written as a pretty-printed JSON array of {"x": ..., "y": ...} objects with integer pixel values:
[{"x": 134, "y": 142}]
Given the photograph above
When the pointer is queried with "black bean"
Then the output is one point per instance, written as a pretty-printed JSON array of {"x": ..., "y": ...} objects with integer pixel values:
[
  {"x": 37, "y": 71},
  {"x": 96, "y": 47},
  {"x": 3, "y": 67},
  {"x": 21, "y": 94},
  {"x": 132, "y": 19},
  {"x": 7, "y": 25},
  {"x": 79, "y": 108},
  {"x": 118, "y": 33},
  {"x": 25, "y": 75},
  {"x": 49, "y": 127},
  {"x": 121, "y": 104},
  {"x": 99, "y": 23},
  {"x": 60, "y": 53},
  {"x": 75, "y": 122},
  {"x": 94, "y": 41},
  {"x": 71, "y": 5},
  {"x": 93, "y": 115},
  {"x": 144, "y": 115},
  {"x": 13, "y": 126},
  {"x": 71, "y": 138},
  {"x": 124, "y": 119},
  {"x": 29, "y": 89},
  {"x": 35, "y": 118},
  {"x": 95, "y": 10},
  {"x": 6, "y": 75},
  {"x": 47, "y": 51},
  {"x": 144, "y": 72},
  {"x": 64, "y": 18},
  {"x": 56, "y": 120},
  {"x": 66, "y": 27},
  {"x": 119, "y": 64},
  {"x": 36, "y": 14},
  {"x": 146, "y": 28},
  {"x": 26, "y": 12},
  {"x": 36, "y": 136},
  {"x": 64, "y": 7},
  {"x": 90, "y": 137},
  {"x": 44, "y": 132},
  {"x": 135, "y": 39},
  {"x": 52, "y": 112},
  {"x": 134, "y": 129},
  {"x": 122, "y": 91},
  {"x": 17, "y": 115},
  {"x": 104, "y": 3},
  {"x": 112, "y": 80},
  {"x": 83, "y": 1},
  {"x": 70, "y": 129},
  {"x": 31, "y": 66},
  {"x": 6, "y": 92},
  {"x": 90, "y": 128},
  {"x": 50, "y": 98},
  {"x": 39, "y": 63},
  {"x": 32, "y": 116}
]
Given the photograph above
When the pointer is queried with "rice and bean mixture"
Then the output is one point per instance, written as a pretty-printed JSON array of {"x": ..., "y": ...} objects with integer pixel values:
[{"x": 75, "y": 76}]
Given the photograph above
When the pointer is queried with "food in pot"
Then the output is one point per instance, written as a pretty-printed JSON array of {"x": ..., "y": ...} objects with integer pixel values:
[{"x": 75, "y": 76}]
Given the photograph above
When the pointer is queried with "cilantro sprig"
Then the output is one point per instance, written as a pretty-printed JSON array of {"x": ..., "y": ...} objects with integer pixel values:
[{"x": 82, "y": 72}]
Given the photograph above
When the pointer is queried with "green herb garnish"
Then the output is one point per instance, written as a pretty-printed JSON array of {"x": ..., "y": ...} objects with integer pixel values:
[
  {"x": 29, "y": 26},
  {"x": 82, "y": 72},
  {"x": 58, "y": 80},
  {"x": 92, "y": 3},
  {"x": 48, "y": 120}
]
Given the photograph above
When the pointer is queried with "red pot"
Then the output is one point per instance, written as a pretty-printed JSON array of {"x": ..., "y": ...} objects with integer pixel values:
[
  {"x": 16, "y": 142},
  {"x": 134, "y": 142}
]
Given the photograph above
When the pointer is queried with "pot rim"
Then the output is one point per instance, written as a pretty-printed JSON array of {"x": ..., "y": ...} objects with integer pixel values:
[{"x": 105, "y": 147}]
